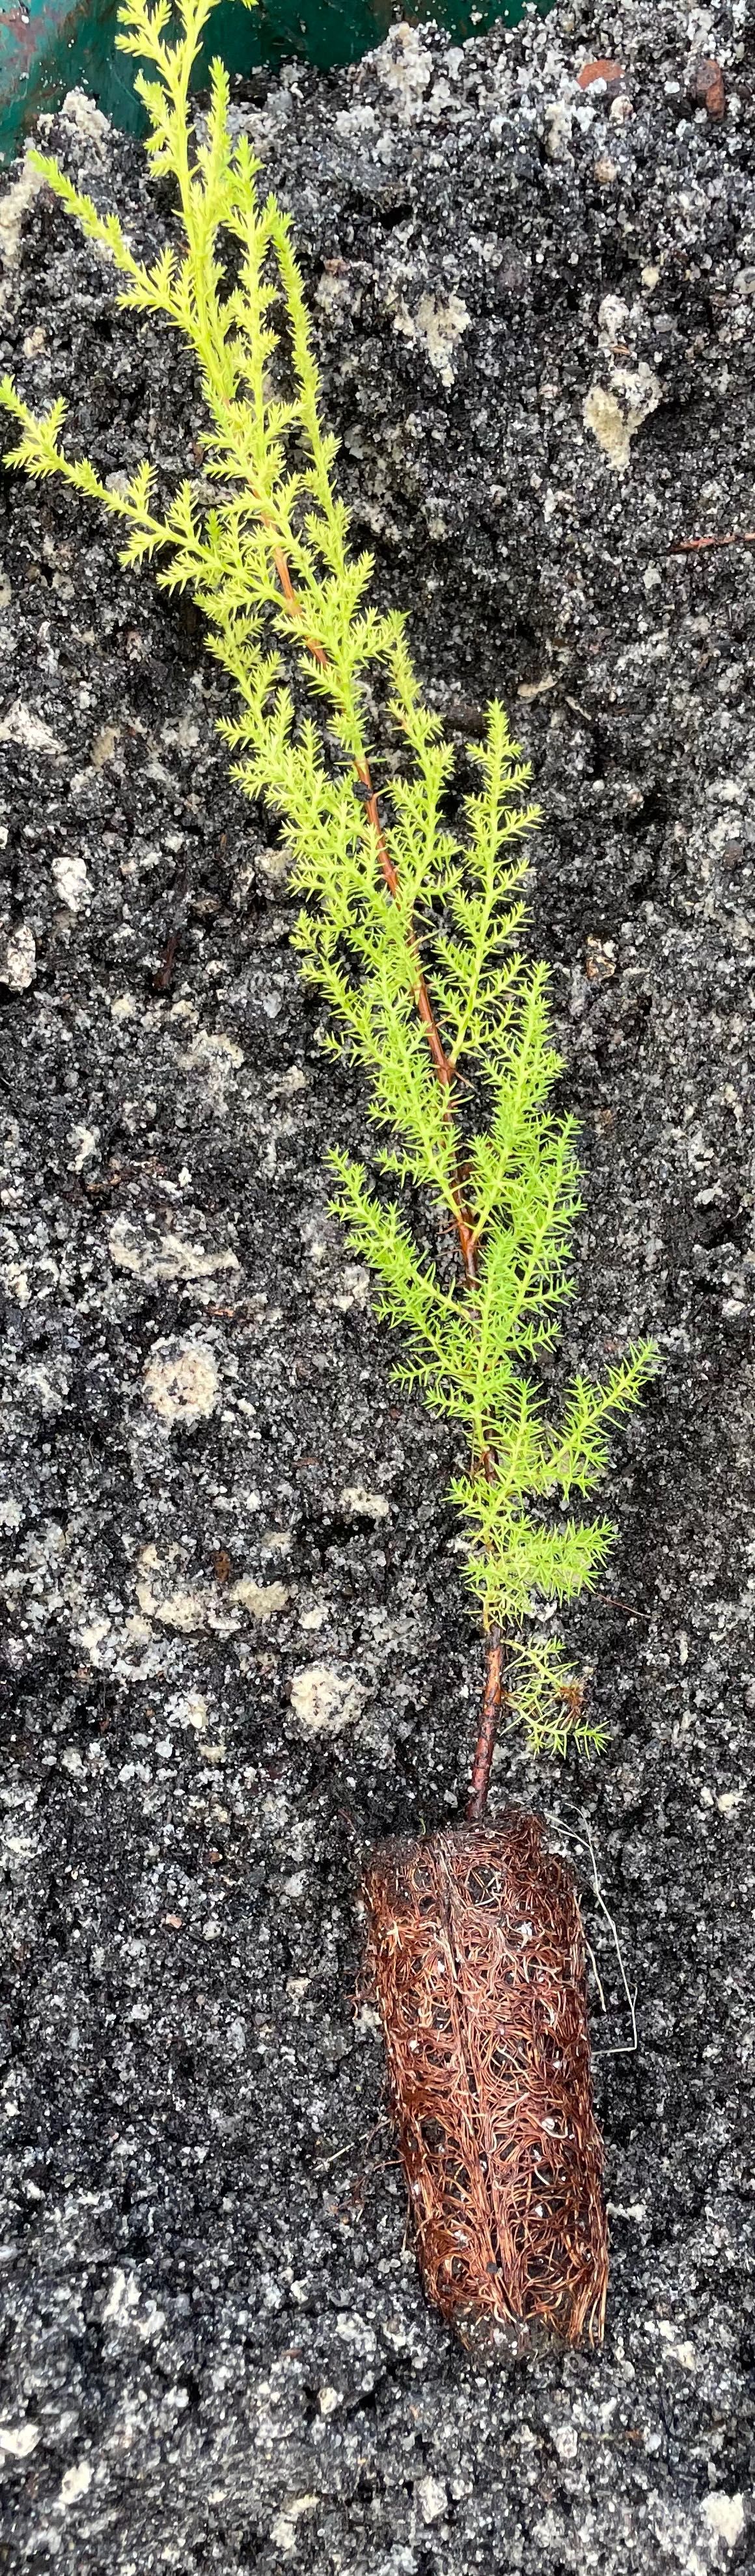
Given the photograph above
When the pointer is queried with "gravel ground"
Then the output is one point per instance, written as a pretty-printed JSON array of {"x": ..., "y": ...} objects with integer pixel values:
[{"x": 237, "y": 1644}]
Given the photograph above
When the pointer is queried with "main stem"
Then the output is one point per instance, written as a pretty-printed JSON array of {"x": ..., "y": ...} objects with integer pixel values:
[
  {"x": 485, "y": 1747},
  {"x": 491, "y": 1706}
]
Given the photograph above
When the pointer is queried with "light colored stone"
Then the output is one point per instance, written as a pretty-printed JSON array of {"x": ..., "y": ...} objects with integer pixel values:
[
  {"x": 362, "y": 1505},
  {"x": 182, "y": 1382},
  {"x": 404, "y": 66},
  {"x": 122, "y": 2297},
  {"x": 263, "y": 1600},
  {"x": 335, "y": 294},
  {"x": 276, "y": 1542},
  {"x": 29, "y": 731},
  {"x": 437, "y": 326},
  {"x": 725, "y": 2516},
  {"x": 165, "y": 1256},
  {"x": 85, "y": 1141},
  {"x": 558, "y": 123},
  {"x": 19, "y": 2440},
  {"x": 614, "y": 416},
  {"x": 565, "y": 2439},
  {"x": 184, "y": 1611},
  {"x": 191, "y": 1710},
  {"x": 104, "y": 745},
  {"x": 20, "y": 963},
  {"x": 432, "y": 2498},
  {"x": 76, "y": 2482},
  {"x": 613, "y": 316},
  {"x": 86, "y": 120},
  {"x": 538, "y": 688},
  {"x": 325, "y": 1700},
  {"x": 71, "y": 881},
  {"x": 13, "y": 207},
  {"x": 283, "y": 2529},
  {"x": 215, "y": 1058}
]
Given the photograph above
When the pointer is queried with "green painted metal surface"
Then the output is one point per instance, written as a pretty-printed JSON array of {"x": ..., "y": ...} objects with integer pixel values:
[{"x": 50, "y": 46}]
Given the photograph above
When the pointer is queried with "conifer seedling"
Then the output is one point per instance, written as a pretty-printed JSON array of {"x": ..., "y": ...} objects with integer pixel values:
[{"x": 410, "y": 930}]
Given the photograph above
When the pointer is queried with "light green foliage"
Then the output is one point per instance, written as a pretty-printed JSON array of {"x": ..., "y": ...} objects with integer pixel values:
[{"x": 473, "y": 1127}]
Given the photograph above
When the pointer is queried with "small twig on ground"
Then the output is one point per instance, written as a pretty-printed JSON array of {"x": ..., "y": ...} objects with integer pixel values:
[
  {"x": 163, "y": 974},
  {"x": 703, "y": 545},
  {"x": 351, "y": 2149},
  {"x": 613, "y": 1601}
]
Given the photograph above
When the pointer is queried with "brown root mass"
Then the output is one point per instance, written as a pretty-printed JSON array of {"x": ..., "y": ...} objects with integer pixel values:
[{"x": 477, "y": 1956}]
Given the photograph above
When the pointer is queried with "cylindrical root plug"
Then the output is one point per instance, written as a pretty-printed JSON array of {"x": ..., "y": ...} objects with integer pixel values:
[{"x": 477, "y": 1956}]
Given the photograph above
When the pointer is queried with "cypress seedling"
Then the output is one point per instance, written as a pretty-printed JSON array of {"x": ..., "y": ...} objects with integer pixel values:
[{"x": 410, "y": 930}]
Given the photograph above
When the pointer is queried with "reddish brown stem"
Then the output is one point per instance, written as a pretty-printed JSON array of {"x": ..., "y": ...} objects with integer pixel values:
[
  {"x": 491, "y": 1710},
  {"x": 443, "y": 1067},
  {"x": 317, "y": 650}
]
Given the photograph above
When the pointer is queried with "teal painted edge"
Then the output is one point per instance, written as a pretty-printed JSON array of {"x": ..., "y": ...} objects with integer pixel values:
[{"x": 48, "y": 47}]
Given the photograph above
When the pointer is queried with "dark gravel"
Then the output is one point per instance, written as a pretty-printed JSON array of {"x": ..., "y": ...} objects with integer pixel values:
[{"x": 216, "y": 2347}]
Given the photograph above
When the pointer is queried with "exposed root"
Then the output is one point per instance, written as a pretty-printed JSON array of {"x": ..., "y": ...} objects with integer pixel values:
[{"x": 477, "y": 1955}]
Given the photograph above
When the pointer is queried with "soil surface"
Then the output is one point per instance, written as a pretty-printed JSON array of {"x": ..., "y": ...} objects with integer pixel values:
[{"x": 237, "y": 1642}]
